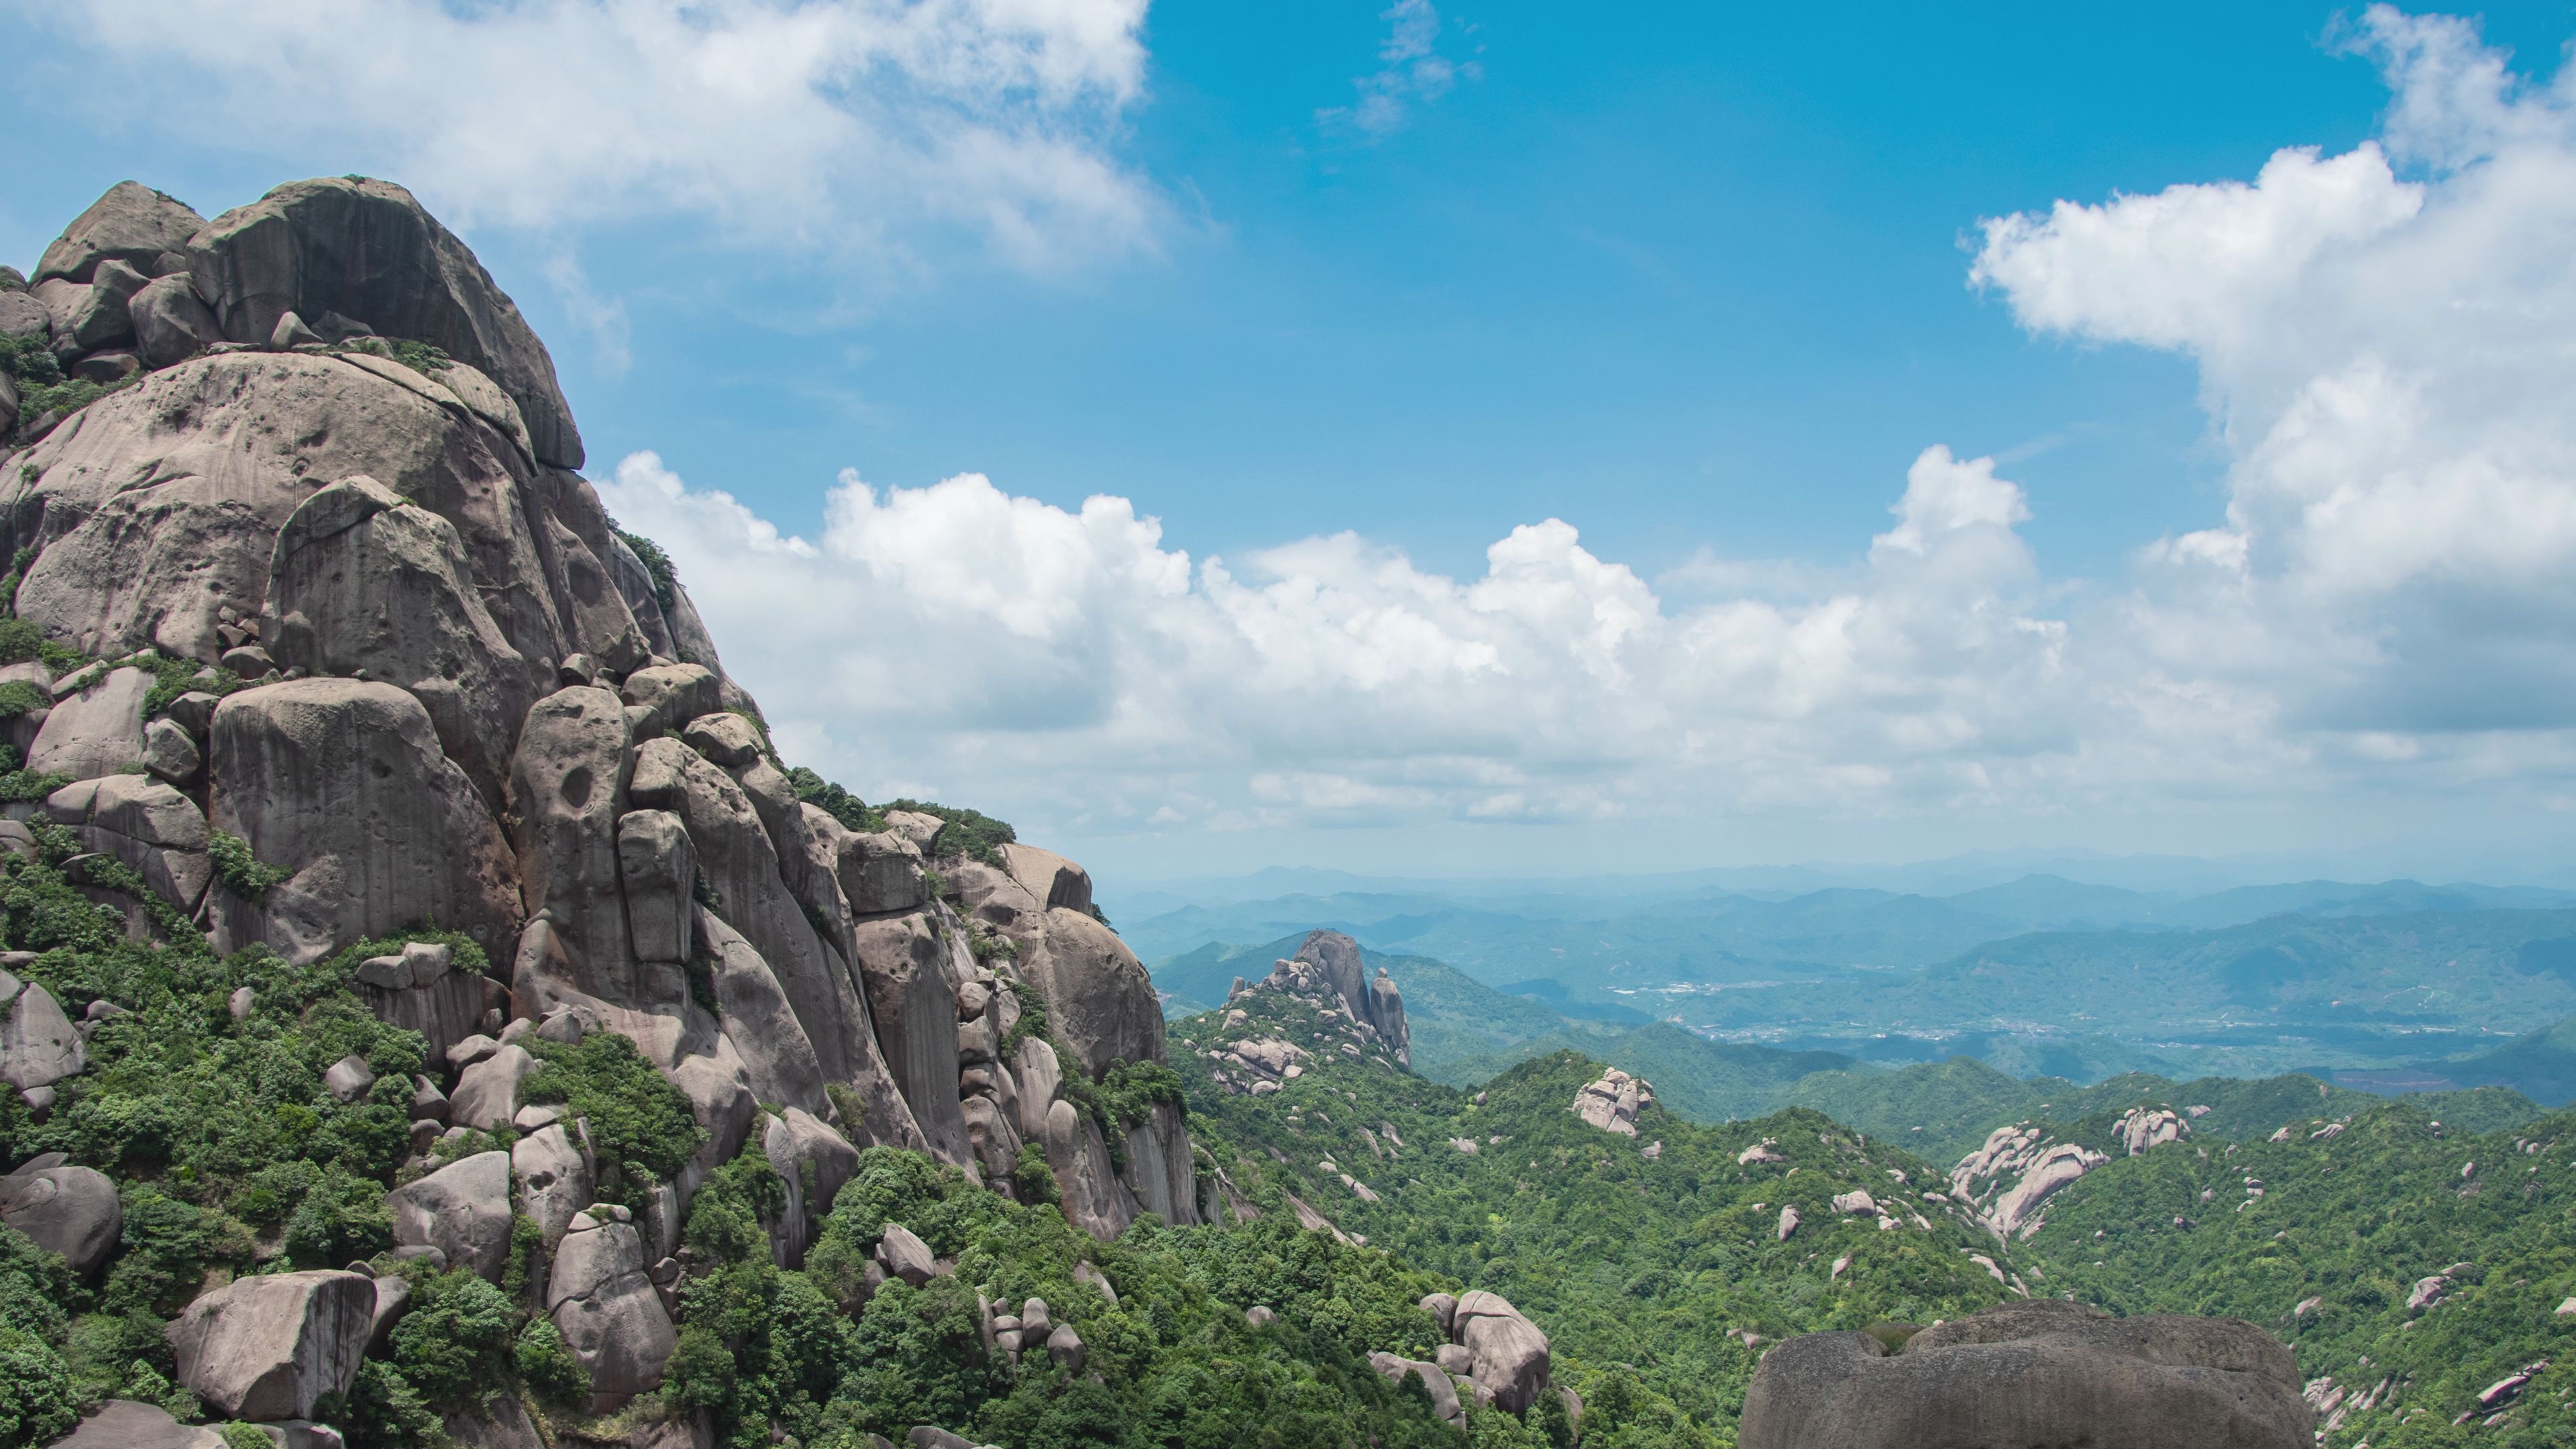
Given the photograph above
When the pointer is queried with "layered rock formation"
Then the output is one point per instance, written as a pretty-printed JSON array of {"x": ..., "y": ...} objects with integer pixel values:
[
  {"x": 2033, "y": 1375},
  {"x": 433, "y": 684},
  {"x": 2008, "y": 1181}
]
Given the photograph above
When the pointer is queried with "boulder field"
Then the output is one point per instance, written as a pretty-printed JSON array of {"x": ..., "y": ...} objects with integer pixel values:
[{"x": 433, "y": 685}]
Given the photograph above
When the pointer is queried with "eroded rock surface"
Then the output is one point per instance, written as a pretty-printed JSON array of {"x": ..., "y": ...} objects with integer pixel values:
[{"x": 2033, "y": 1375}]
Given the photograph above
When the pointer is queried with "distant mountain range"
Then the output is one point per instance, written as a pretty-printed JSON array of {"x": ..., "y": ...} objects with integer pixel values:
[{"x": 2042, "y": 974}]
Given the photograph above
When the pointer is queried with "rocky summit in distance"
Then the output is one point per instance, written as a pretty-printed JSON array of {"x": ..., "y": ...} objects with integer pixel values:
[{"x": 323, "y": 640}]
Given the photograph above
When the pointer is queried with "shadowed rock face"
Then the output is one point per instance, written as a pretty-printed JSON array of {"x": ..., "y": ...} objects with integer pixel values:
[{"x": 2033, "y": 1375}]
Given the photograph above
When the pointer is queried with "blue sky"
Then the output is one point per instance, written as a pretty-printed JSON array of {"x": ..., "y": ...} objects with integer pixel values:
[{"x": 1693, "y": 280}]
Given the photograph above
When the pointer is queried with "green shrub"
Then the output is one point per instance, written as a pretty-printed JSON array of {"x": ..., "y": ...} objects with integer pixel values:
[
  {"x": 422, "y": 358},
  {"x": 638, "y": 1120},
  {"x": 454, "y": 1339},
  {"x": 242, "y": 872},
  {"x": 238, "y": 1435},
  {"x": 666, "y": 580},
  {"x": 21, "y": 696},
  {"x": 37, "y": 1401},
  {"x": 547, "y": 1366},
  {"x": 832, "y": 800},
  {"x": 970, "y": 833}
]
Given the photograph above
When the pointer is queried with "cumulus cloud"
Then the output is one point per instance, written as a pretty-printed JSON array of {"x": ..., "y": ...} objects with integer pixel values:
[
  {"x": 2385, "y": 360},
  {"x": 840, "y": 126},
  {"x": 1411, "y": 71},
  {"x": 954, "y": 635}
]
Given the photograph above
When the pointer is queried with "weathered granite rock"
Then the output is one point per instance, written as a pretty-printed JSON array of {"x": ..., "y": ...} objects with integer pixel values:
[
  {"x": 348, "y": 1078},
  {"x": 367, "y": 250},
  {"x": 131, "y": 223},
  {"x": 1611, "y": 1102},
  {"x": 344, "y": 782},
  {"x": 914, "y": 1006},
  {"x": 170, "y": 324},
  {"x": 500, "y": 1421},
  {"x": 670, "y": 695},
  {"x": 567, "y": 789},
  {"x": 2033, "y": 1375},
  {"x": 603, "y": 1303},
  {"x": 720, "y": 1098},
  {"x": 1093, "y": 1199},
  {"x": 125, "y": 1424},
  {"x": 38, "y": 1046},
  {"x": 462, "y": 1210},
  {"x": 95, "y": 732},
  {"x": 777, "y": 1059},
  {"x": 65, "y": 1209},
  {"x": 365, "y": 583},
  {"x": 904, "y": 1255},
  {"x": 273, "y": 1347},
  {"x": 880, "y": 872},
  {"x": 1444, "y": 1394},
  {"x": 1511, "y": 1355},
  {"x": 659, "y": 869},
  {"x": 83, "y": 318},
  {"x": 1100, "y": 1001},
  {"x": 487, "y": 1093},
  {"x": 814, "y": 1161},
  {"x": 554, "y": 1179},
  {"x": 421, "y": 989}
]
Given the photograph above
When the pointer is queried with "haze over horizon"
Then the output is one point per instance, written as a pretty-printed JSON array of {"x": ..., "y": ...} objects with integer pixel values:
[{"x": 1448, "y": 440}]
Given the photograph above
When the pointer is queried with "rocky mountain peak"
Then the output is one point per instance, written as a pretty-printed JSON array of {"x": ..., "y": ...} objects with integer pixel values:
[{"x": 329, "y": 643}]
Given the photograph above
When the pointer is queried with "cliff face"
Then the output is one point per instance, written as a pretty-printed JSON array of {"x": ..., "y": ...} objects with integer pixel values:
[{"x": 334, "y": 470}]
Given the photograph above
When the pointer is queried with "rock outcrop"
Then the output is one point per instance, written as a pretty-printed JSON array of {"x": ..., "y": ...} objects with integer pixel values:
[
  {"x": 274, "y": 1347},
  {"x": 1611, "y": 1103},
  {"x": 2033, "y": 1375},
  {"x": 345, "y": 599},
  {"x": 2008, "y": 1180}
]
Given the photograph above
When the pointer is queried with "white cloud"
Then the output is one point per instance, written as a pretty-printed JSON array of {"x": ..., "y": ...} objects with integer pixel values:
[
  {"x": 958, "y": 635},
  {"x": 1411, "y": 72},
  {"x": 861, "y": 127},
  {"x": 2386, "y": 361}
]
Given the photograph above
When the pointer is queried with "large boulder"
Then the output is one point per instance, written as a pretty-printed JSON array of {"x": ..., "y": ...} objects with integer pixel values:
[
  {"x": 1099, "y": 999},
  {"x": 64, "y": 1209},
  {"x": 344, "y": 783},
  {"x": 420, "y": 989},
  {"x": 145, "y": 823},
  {"x": 368, "y": 251},
  {"x": 1510, "y": 1353},
  {"x": 1093, "y": 1199},
  {"x": 575, "y": 542},
  {"x": 739, "y": 865},
  {"x": 777, "y": 1059},
  {"x": 38, "y": 1046},
  {"x": 1338, "y": 957},
  {"x": 720, "y": 1098},
  {"x": 1444, "y": 1392},
  {"x": 463, "y": 1210},
  {"x": 365, "y": 583},
  {"x": 132, "y": 223},
  {"x": 567, "y": 789},
  {"x": 914, "y": 1003},
  {"x": 98, "y": 731},
  {"x": 814, "y": 1161},
  {"x": 83, "y": 318},
  {"x": 170, "y": 324},
  {"x": 2033, "y": 1375},
  {"x": 487, "y": 1092},
  {"x": 658, "y": 867},
  {"x": 604, "y": 1304},
  {"x": 880, "y": 873},
  {"x": 158, "y": 507},
  {"x": 125, "y": 1424},
  {"x": 273, "y": 1347},
  {"x": 554, "y": 1179},
  {"x": 1049, "y": 878}
]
